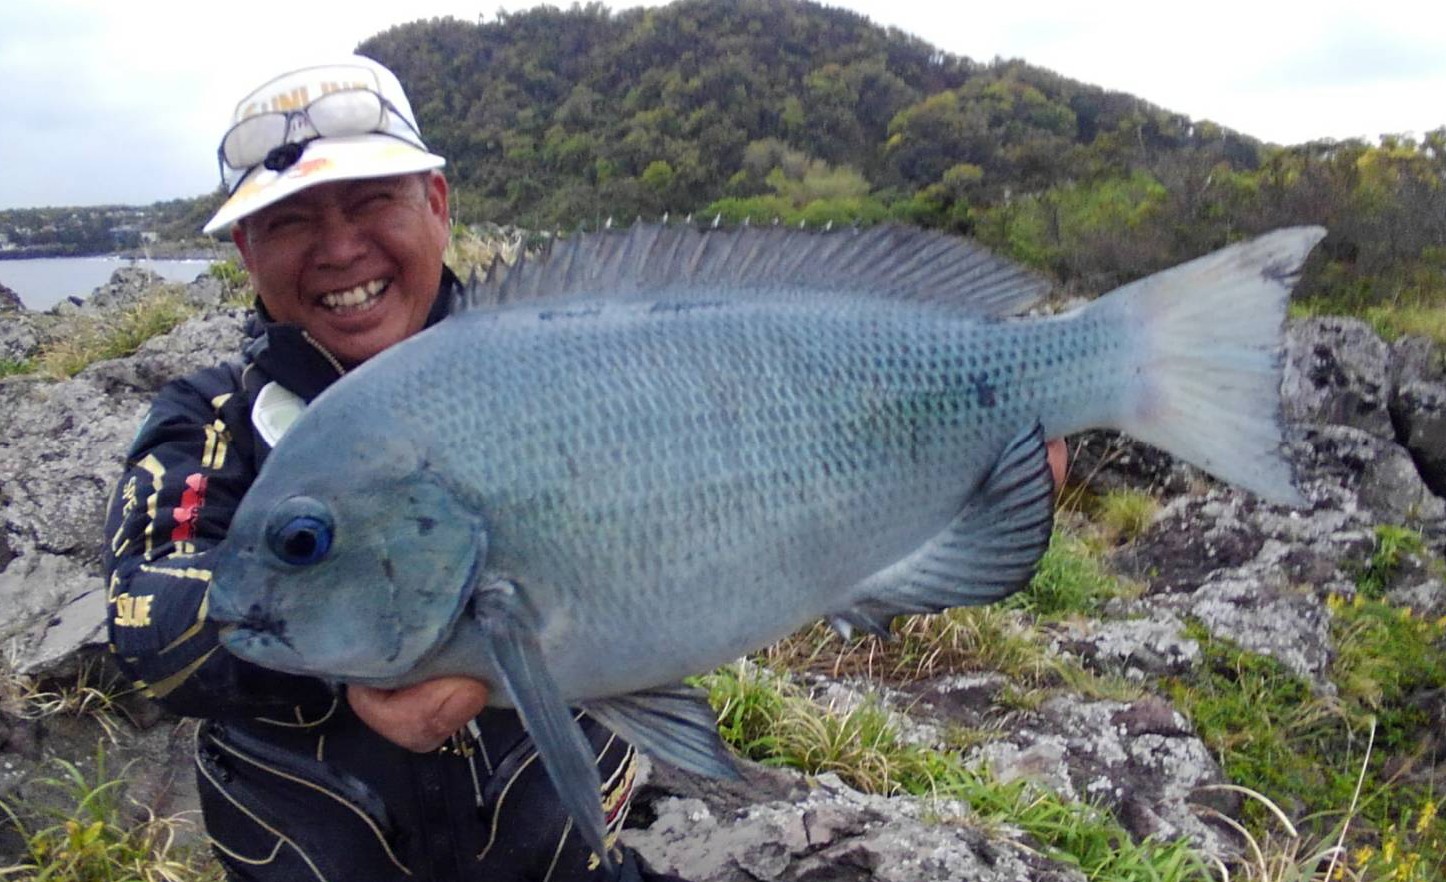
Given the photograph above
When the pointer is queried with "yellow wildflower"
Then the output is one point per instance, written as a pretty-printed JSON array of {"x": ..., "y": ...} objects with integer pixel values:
[{"x": 1428, "y": 816}]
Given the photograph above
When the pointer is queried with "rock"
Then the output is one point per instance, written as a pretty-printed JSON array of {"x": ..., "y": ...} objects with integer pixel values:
[
  {"x": 1425, "y": 598},
  {"x": 1419, "y": 412},
  {"x": 196, "y": 343},
  {"x": 61, "y": 448},
  {"x": 1337, "y": 371},
  {"x": 833, "y": 834},
  {"x": 1268, "y": 618},
  {"x": 1378, "y": 476},
  {"x": 19, "y": 339},
  {"x": 206, "y": 292},
  {"x": 1143, "y": 760},
  {"x": 128, "y": 285},
  {"x": 9, "y": 300},
  {"x": 1133, "y": 648},
  {"x": 61, "y": 454},
  {"x": 1416, "y": 359},
  {"x": 1110, "y": 461}
]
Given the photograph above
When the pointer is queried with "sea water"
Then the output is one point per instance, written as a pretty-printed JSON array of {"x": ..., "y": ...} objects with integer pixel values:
[{"x": 45, "y": 281}]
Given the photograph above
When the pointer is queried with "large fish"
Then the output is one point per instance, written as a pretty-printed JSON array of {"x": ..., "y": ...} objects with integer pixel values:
[{"x": 655, "y": 452}]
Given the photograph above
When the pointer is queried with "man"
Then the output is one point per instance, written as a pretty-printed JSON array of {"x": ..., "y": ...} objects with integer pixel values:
[{"x": 341, "y": 216}]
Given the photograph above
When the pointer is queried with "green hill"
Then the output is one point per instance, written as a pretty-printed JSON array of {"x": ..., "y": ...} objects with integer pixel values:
[{"x": 791, "y": 110}]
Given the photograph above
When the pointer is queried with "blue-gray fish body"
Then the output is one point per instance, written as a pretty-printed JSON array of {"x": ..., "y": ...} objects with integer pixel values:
[{"x": 585, "y": 498}]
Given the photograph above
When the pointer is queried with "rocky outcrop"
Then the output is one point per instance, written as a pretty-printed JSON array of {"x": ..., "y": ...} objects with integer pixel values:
[
  {"x": 9, "y": 300},
  {"x": 128, "y": 285},
  {"x": 1419, "y": 415},
  {"x": 825, "y": 831},
  {"x": 1367, "y": 421}
]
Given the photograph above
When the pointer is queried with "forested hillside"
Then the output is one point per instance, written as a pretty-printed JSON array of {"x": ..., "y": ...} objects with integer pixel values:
[{"x": 792, "y": 110}]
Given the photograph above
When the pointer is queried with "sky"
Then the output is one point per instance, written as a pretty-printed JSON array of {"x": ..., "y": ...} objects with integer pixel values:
[{"x": 123, "y": 103}]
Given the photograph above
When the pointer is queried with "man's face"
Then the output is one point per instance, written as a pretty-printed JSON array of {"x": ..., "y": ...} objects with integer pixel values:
[{"x": 355, "y": 263}]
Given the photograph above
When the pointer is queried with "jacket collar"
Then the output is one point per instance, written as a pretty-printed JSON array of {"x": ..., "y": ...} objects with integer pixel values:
[{"x": 286, "y": 354}]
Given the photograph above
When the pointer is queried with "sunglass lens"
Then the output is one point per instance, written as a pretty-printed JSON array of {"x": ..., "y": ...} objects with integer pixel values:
[
  {"x": 348, "y": 112},
  {"x": 250, "y": 140}
]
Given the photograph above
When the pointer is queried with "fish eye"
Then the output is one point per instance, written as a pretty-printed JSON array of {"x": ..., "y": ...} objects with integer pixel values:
[{"x": 300, "y": 533}]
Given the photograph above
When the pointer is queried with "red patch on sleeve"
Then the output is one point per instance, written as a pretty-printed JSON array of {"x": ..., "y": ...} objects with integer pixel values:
[{"x": 185, "y": 515}]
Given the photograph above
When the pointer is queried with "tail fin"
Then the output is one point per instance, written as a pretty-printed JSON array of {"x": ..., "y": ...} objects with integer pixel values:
[{"x": 1207, "y": 386}]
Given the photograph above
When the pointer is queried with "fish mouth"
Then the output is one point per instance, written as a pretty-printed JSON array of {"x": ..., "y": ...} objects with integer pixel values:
[
  {"x": 267, "y": 648},
  {"x": 254, "y": 634}
]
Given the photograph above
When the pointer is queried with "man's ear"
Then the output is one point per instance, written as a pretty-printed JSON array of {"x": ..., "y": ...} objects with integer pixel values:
[
  {"x": 243, "y": 244},
  {"x": 438, "y": 204}
]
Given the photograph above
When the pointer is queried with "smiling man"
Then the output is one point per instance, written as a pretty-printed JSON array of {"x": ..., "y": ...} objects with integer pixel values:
[{"x": 341, "y": 216}]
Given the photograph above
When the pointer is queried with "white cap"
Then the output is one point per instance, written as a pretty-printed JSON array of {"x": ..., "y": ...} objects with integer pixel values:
[{"x": 395, "y": 148}]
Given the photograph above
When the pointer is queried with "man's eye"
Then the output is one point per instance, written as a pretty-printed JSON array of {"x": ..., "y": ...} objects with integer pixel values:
[
  {"x": 284, "y": 222},
  {"x": 374, "y": 201}
]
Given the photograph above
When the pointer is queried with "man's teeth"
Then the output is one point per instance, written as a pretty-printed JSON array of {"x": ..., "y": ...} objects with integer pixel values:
[{"x": 353, "y": 297}]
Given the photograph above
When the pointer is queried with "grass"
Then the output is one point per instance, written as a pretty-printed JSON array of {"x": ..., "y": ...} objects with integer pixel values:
[
  {"x": 1308, "y": 752},
  {"x": 1123, "y": 515},
  {"x": 93, "y": 692},
  {"x": 116, "y": 335},
  {"x": 474, "y": 251},
  {"x": 1071, "y": 581},
  {"x": 1393, "y": 544},
  {"x": 97, "y": 835},
  {"x": 770, "y": 720},
  {"x": 9, "y": 367},
  {"x": 1423, "y": 318}
]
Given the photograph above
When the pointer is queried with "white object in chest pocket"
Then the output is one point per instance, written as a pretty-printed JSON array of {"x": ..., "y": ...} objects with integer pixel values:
[{"x": 275, "y": 409}]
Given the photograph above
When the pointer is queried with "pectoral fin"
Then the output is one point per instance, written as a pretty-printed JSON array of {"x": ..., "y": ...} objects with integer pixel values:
[
  {"x": 510, "y": 636},
  {"x": 987, "y": 552},
  {"x": 673, "y": 723}
]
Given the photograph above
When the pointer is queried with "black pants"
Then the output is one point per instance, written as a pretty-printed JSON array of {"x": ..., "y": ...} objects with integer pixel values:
[{"x": 335, "y": 802}]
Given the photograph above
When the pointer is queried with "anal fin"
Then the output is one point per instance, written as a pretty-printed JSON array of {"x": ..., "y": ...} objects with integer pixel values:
[
  {"x": 672, "y": 723},
  {"x": 987, "y": 552}
]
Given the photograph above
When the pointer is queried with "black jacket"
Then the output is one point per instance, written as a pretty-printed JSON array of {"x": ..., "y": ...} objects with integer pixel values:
[{"x": 293, "y": 785}]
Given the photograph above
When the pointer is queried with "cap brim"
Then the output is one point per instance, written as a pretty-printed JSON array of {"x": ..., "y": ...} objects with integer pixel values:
[{"x": 325, "y": 160}]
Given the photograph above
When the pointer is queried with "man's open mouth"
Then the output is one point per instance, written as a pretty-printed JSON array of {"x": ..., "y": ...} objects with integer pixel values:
[{"x": 357, "y": 299}]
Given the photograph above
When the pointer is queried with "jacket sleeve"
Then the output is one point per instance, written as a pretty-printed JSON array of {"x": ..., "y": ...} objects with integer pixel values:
[{"x": 183, "y": 480}]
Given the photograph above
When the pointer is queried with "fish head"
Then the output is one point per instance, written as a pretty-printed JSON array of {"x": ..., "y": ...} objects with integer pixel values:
[{"x": 351, "y": 574}]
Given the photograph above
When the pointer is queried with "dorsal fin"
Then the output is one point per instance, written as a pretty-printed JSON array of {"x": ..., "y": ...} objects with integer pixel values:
[{"x": 649, "y": 259}]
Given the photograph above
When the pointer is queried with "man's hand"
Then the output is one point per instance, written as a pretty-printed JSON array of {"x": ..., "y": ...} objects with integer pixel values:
[
  {"x": 420, "y": 717},
  {"x": 1058, "y": 460}
]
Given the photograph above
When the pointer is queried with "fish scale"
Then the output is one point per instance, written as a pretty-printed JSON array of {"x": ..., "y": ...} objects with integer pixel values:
[{"x": 660, "y": 450}]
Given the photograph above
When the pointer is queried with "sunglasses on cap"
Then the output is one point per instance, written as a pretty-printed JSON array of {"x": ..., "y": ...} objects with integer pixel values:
[{"x": 337, "y": 114}]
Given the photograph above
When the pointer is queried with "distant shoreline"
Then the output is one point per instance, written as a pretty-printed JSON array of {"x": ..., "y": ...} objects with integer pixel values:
[{"x": 157, "y": 251}]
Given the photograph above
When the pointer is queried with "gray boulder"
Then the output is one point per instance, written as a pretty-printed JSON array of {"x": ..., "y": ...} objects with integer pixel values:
[
  {"x": 128, "y": 285},
  {"x": 9, "y": 300},
  {"x": 205, "y": 292},
  {"x": 1338, "y": 371},
  {"x": 20, "y": 338},
  {"x": 1419, "y": 411},
  {"x": 1417, "y": 359},
  {"x": 1142, "y": 760},
  {"x": 829, "y": 832},
  {"x": 61, "y": 448}
]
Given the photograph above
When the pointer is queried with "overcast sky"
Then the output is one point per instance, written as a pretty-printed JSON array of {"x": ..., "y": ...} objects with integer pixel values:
[{"x": 104, "y": 102}]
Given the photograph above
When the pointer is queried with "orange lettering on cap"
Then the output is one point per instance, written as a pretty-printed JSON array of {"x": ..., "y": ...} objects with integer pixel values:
[
  {"x": 294, "y": 100},
  {"x": 306, "y": 167},
  {"x": 329, "y": 87}
]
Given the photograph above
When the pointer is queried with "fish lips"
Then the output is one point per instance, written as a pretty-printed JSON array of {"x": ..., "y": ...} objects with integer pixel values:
[{"x": 254, "y": 633}]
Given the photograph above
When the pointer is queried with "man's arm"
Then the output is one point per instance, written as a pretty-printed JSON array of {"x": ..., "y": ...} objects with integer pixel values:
[{"x": 184, "y": 478}]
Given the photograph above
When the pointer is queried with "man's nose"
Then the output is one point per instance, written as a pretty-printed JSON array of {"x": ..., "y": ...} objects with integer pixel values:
[{"x": 340, "y": 240}]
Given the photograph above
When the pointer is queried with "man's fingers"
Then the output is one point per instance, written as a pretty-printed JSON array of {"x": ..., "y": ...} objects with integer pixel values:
[
  {"x": 423, "y": 716},
  {"x": 1058, "y": 460}
]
